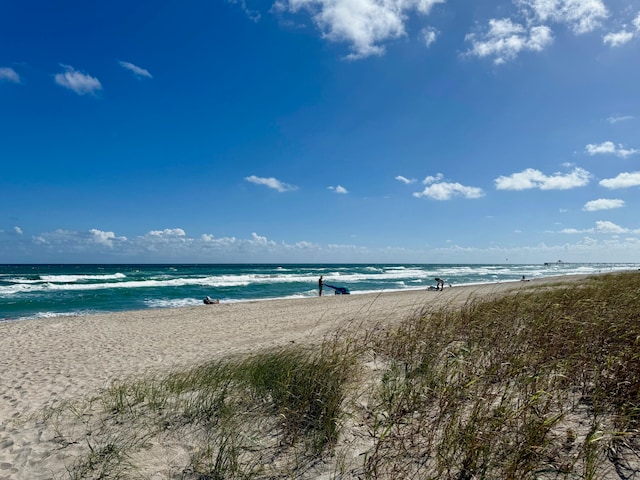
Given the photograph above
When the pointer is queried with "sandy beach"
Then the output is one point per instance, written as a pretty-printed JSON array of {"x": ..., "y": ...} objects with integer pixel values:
[{"x": 43, "y": 362}]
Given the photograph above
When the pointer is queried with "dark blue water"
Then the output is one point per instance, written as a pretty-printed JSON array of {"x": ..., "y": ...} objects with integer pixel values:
[{"x": 28, "y": 291}]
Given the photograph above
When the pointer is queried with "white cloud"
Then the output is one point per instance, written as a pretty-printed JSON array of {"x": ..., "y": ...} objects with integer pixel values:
[
  {"x": 170, "y": 242},
  {"x": 76, "y": 81},
  {"x": 602, "y": 226},
  {"x": 615, "y": 39},
  {"x": 339, "y": 189},
  {"x": 168, "y": 232},
  {"x": 253, "y": 15},
  {"x": 625, "y": 152},
  {"x": 104, "y": 238},
  {"x": 271, "y": 183},
  {"x": 429, "y": 35},
  {"x": 405, "y": 180},
  {"x": 17, "y": 230},
  {"x": 531, "y": 178},
  {"x": 623, "y": 180},
  {"x": 364, "y": 24},
  {"x": 137, "y": 71},
  {"x": 9, "y": 75},
  {"x": 91, "y": 241},
  {"x": 261, "y": 240},
  {"x": 610, "y": 148},
  {"x": 582, "y": 16},
  {"x": 604, "y": 147},
  {"x": 603, "y": 204},
  {"x": 609, "y": 227},
  {"x": 209, "y": 241},
  {"x": 617, "y": 244},
  {"x": 432, "y": 179},
  {"x": 505, "y": 39},
  {"x": 619, "y": 118},
  {"x": 438, "y": 190}
]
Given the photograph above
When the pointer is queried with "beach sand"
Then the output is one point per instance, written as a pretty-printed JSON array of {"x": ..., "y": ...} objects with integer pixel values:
[{"x": 44, "y": 362}]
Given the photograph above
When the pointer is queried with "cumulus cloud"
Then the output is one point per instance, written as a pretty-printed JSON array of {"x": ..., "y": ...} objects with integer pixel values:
[
  {"x": 439, "y": 190},
  {"x": 505, "y": 39},
  {"x": 70, "y": 241},
  {"x": 137, "y": 71},
  {"x": 615, "y": 39},
  {"x": 169, "y": 245},
  {"x": 17, "y": 230},
  {"x": 405, "y": 180},
  {"x": 79, "y": 82},
  {"x": 104, "y": 238},
  {"x": 155, "y": 245},
  {"x": 610, "y": 148},
  {"x": 609, "y": 227},
  {"x": 604, "y": 147},
  {"x": 602, "y": 226},
  {"x": 532, "y": 178},
  {"x": 271, "y": 182},
  {"x": 603, "y": 204},
  {"x": 9, "y": 75},
  {"x": 261, "y": 240},
  {"x": 582, "y": 16},
  {"x": 338, "y": 189},
  {"x": 364, "y": 24},
  {"x": 623, "y": 180},
  {"x": 168, "y": 232},
  {"x": 432, "y": 179}
]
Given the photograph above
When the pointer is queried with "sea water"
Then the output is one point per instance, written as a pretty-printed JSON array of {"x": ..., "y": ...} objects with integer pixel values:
[{"x": 32, "y": 291}]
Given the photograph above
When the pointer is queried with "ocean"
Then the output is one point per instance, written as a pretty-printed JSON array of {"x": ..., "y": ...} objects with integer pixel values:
[{"x": 39, "y": 291}]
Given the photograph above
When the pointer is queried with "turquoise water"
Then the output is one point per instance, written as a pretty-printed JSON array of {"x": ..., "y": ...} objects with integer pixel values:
[{"x": 32, "y": 291}]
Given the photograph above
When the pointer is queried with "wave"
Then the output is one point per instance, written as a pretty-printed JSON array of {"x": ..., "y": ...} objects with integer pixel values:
[
  {"x": 219, "y": 281},
  {"x": 172, "y": 303},
  {"x": 42, "y": 315},
  {"x": 385, "y": 277},
  {"x": 65, "y": 278}
]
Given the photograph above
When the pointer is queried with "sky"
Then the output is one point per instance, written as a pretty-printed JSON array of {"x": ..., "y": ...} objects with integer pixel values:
[{"x": 315, "y": 131}]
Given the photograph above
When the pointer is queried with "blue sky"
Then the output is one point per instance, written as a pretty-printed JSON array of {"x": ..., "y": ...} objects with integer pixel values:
[{"x": 320, "y": 131}]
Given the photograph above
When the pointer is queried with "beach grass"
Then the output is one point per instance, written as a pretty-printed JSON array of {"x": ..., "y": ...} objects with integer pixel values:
[{"x": 542, "y": 384}]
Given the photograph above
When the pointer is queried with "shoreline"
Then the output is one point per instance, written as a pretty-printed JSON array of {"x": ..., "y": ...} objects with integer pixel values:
[
  {"x": 47, "y": 315},
  {"x": 51, "y": 360}
]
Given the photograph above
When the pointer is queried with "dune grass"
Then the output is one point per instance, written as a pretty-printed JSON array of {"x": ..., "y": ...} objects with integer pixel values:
[{"x": 544, "y": 384}]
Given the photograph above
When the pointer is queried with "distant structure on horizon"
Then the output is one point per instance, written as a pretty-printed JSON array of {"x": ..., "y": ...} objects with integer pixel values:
[{"x": 549, "y": 263}]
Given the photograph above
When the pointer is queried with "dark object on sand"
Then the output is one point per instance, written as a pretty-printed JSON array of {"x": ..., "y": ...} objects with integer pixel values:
[{"x": 339, "y": 290}]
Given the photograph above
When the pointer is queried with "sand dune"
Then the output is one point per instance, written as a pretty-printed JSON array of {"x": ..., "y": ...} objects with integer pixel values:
[{"x": 43, "y": 362}]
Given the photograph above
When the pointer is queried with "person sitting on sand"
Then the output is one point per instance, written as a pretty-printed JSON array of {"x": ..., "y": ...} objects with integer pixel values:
[{"x": 209, "y": 301}]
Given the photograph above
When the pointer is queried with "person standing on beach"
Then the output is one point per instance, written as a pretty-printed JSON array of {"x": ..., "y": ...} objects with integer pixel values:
[
  {"x": 439, "y": 284},
  {"x": 320, "y": 284}
]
